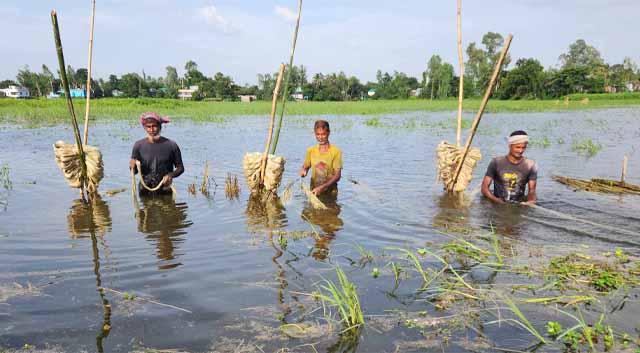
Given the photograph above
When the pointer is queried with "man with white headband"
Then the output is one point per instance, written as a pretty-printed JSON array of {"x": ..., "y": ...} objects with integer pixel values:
[
  {"x": 160, "y": 158},
  {"x": 511, "y": 174}
]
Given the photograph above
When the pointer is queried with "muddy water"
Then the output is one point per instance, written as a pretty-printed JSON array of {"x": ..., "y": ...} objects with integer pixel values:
[{"x": 224, "y": 275}]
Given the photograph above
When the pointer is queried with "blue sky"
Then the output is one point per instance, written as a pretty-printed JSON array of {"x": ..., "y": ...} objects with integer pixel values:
[{"x": 244, "y": 38}]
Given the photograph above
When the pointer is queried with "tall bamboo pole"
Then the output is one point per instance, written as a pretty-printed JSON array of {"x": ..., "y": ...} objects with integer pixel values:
[
  {"x": 483, "y": 105},
  {"x": 461, "y": 83},
  {"x": 86, "y": 110},
  {"x": 625, "y": 160},
  {"x": 67, "y": 94},
  {"x": 274, "y": 105},
  {"x": 285, "y": 91}
]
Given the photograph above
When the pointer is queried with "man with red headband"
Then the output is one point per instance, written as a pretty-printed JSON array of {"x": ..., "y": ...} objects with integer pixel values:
[
  {"x": 160, "y": 158},
  {"x": 512, "y": 174}
]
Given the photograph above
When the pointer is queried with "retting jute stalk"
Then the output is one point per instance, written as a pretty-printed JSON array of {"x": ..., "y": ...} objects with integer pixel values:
[
  {"x": 88, "y": 103},
  {"x": 285, "y": 94},
  {"x": 463, "y": 164},
  {"x": 81, "y": 164},
  {"x": 264, "y": 170},
  {"x": 461, "y": 81}
]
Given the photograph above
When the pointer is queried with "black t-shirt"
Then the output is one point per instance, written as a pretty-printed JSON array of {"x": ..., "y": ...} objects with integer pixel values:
[
  {"x": 158, "y": 159},
  {"x": 510, "y": 180}
]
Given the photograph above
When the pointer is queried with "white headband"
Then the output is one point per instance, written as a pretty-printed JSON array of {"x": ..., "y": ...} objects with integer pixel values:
[{"x": 512, "y": 140}]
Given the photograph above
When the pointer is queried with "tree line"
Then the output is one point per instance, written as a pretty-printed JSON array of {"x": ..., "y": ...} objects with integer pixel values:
[{"x": 582, "y": 70}]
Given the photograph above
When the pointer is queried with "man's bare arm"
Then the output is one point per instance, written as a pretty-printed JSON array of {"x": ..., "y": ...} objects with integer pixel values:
[{"x": 486, "y": 182}]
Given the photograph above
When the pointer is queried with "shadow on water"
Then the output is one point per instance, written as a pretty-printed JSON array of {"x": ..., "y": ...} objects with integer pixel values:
[
  {"x": 92, "y": 219},
  {"x": 165, "y": 223},
  {"x": 328, "y": 221}
]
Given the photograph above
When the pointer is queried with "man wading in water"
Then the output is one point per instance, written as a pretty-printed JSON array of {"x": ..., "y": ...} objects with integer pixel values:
[
  {"x": 512, "y": 173},
  {"x": 325, "y": 161},
  {"x": 158, "y": 156}
]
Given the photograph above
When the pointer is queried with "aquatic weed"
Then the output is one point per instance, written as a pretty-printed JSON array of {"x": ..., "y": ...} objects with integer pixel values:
[
  {"x": 344, "y": 296},
  {"x": 586, "y": 147},
  {"x": 5, "y": 178}
]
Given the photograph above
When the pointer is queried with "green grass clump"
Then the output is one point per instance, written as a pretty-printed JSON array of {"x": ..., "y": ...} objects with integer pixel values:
[
  {"x": 46, "y": 112},
  {"x": 586, "y": 146},
  {"x": 5, "y": 179},
  {"x": 344, "y": 296}
]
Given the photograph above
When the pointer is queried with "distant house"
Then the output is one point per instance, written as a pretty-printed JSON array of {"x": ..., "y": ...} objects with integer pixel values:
[
  {"x": 53, "y": 95},
  {"x": 116, "y": 93},
  {"x": 415, "y": 92},
  {"x": 298, "y": 94},
  {"x": 247, "y": 98},
  {"x": 371, "y": 92},
  {"x": 187, "y": 93},
  {"x": 16, "y": 92},
  {"x": 633, "y": 86},
  {"x": 78, "y": 93}
]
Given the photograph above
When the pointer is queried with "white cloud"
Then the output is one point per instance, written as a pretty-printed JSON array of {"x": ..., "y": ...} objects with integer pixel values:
[
  {"x": 285, "y": 13},
  {"x": 213, "y": 17}
]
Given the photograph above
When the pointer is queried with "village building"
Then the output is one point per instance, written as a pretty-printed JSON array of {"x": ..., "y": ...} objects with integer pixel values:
[
  {"x": 187, "y": 93},
  {"x": 15, "y": 92},
  {"x": 247, "y": 98}
]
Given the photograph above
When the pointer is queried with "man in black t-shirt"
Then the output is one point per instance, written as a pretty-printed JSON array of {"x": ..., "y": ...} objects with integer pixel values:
[
  {"x": 512, "y": 174},
  {"x": 160, "y": 158}
]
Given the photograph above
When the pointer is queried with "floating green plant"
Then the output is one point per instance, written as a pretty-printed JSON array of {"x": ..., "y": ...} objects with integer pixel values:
[
  {"x": 344, "y": 296},
  {"x": 586, "y": 147}
]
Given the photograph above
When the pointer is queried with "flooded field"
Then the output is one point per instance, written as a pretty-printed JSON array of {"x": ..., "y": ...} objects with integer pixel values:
[{"x": 202, "y": 272}]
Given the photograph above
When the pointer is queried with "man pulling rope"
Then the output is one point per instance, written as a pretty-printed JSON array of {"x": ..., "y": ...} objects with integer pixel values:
[{"x": 157, "y": 158}]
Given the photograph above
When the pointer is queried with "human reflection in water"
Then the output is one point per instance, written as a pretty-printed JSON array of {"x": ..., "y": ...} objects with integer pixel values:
[
  {"x": 92, "y": 219},
  {"x": 265, "y": 214},
  {"x": 453, "y": 213},
  {"x": 164, "y": 222},
  {"x": 328, "y": 221},
  {"x": 506, "y": 219}
]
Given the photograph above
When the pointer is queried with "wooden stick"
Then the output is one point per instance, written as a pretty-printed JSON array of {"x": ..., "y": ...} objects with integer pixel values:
[
  {"x": 146, "y": 299},
  {"x": 285, "y": 94},
  {"x": 67, "y": 93},
  {"x": 86, "y": 110},
  {"x": 624, "y": 168},
  {"x": 483, "y": 105},
  {"x": 274, "y": 105},
  {"x": 461, "y": 83}
]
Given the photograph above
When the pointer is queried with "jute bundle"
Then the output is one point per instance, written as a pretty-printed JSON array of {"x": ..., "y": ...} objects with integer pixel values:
[
  {"x": 68, "y": 159},
  {"x": 272, "y": 174},
  {"x": 449, "y": 156}
]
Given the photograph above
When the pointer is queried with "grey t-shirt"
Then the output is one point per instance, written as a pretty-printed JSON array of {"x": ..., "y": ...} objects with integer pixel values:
[
  {"x": 158, "y": 159},
  {"x": 510, "y": 180}
]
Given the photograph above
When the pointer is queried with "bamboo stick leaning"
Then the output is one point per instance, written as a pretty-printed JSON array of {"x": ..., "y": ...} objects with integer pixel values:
[{"x": 483, "y": 105}]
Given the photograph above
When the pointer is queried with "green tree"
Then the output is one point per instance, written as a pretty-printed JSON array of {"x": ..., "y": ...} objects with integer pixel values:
[
  {"x": 171, "y": 78},
  {"x": 131, "y": 85},
  {"x": 581, "y": 54},
  {"x": 433, "y": 74},
  {"x": 526, "y": 80}
]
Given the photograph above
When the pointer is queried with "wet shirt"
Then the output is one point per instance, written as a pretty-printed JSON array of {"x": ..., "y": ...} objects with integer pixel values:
[
  {"x": 158, "y": 159},
  {"x": 510, "y": 180},
  {"x": 323, "y": 164}
]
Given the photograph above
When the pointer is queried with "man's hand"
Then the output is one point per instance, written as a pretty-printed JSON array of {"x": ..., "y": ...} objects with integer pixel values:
[
  {"x": 167, "y": 180},
  {"x": 318, "y": 190},
  {"x": 132, "y": 164},
  {"x": 303, "y": 172}
]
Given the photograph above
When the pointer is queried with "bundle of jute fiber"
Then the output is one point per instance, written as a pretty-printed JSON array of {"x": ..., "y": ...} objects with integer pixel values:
[
  {"x": 68, "y": 159},
  {"x": 449, "y": 156},
  {"x": 272, "y": 175}
]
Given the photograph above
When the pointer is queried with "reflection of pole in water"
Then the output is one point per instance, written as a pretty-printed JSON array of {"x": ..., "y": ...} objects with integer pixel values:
[
  {"x": 106, "y": 306},
  {"x": 282, "y": 279},
  {"x": 93, "y": 217}
]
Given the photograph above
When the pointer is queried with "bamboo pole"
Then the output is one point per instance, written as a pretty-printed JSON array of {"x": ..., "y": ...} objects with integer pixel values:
[
  {"x": 625, "y": 160},
  {"x": 67, "y": 93},
  {"x": 274, "y": 105},
  {"x": 285, "y": 94},
  {"x": 86, "y": 110},
  {"x": 483, "y": 105},
  {"x": 461, "y": 83}
]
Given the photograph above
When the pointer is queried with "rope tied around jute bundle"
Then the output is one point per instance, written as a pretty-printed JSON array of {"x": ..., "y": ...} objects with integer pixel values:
[
  {"x": 144, "y": 185},
  {"x": 449, "y": 156}
]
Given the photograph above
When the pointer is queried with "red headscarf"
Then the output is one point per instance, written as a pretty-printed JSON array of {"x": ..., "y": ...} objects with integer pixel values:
[{"x": 155, "y": 116}]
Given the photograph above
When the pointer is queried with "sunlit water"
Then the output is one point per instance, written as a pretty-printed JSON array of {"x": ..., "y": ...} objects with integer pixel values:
[{"x": 221, "y": 259}]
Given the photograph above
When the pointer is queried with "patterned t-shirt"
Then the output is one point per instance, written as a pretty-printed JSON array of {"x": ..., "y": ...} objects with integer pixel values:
[{"x": 509, "y": 179}]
